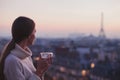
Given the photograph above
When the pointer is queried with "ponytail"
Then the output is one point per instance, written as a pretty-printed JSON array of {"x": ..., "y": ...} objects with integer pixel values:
[{"x": 4, "y": 54}]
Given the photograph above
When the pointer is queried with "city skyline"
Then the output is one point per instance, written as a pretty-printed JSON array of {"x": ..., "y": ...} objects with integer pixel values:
[{"x": 60, "y": 18}]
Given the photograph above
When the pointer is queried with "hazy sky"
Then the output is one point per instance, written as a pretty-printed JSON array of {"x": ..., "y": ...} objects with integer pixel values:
[{"x": 60, "y": 18}]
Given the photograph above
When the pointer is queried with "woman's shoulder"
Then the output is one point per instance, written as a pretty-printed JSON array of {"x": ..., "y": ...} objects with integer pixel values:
[{"x": 11, "y": 59}]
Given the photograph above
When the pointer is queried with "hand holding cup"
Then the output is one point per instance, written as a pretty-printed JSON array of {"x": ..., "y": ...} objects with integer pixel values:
[{"x": 44, "y": 62}]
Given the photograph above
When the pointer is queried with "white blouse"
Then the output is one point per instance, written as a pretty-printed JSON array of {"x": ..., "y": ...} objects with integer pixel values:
[{"x": 19, "y": 66}]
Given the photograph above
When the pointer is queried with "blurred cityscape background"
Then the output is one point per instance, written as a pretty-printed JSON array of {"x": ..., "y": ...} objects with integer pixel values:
[{"x": 79, "y": 58}]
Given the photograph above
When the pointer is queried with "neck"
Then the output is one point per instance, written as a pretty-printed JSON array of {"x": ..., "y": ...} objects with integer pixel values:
[{"x": 23, "y": 44}]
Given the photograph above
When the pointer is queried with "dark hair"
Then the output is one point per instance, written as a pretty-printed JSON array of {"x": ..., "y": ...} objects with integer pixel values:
[{"x": 22, "y": 27}]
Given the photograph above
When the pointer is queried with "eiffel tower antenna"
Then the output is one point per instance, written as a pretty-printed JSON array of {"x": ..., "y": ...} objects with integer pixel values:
[{"x": 102, "y": 33}]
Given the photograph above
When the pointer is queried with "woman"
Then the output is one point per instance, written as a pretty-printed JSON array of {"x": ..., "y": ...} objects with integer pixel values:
[{"x": 15, "y": 60}]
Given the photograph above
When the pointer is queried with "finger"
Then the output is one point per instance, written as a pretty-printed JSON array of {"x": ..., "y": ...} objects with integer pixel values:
[
  {"x": 40, "y": 57},
  {"x": 41, "y": 63}
]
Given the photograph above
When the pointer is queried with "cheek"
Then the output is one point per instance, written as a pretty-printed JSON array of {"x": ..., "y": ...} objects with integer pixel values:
[{"x": 32, "y": 38}]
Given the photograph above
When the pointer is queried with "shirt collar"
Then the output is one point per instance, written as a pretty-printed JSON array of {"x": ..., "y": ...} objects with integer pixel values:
[{"x": 20, "y": 52}]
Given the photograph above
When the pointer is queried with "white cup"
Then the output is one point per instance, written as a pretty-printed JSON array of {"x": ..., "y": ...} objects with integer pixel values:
[{"x": 46, "y": 55}]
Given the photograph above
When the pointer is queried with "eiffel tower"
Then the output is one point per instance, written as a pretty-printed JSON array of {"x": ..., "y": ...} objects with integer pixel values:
[{"x": 102, "y": 33}]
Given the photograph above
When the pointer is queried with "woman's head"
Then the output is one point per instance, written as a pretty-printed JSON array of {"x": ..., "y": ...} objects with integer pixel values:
[{"x": 22, "y": 28}]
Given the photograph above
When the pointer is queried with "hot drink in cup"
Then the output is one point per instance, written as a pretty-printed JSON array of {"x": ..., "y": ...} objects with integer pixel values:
[{"x": 46, "y": 55}]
